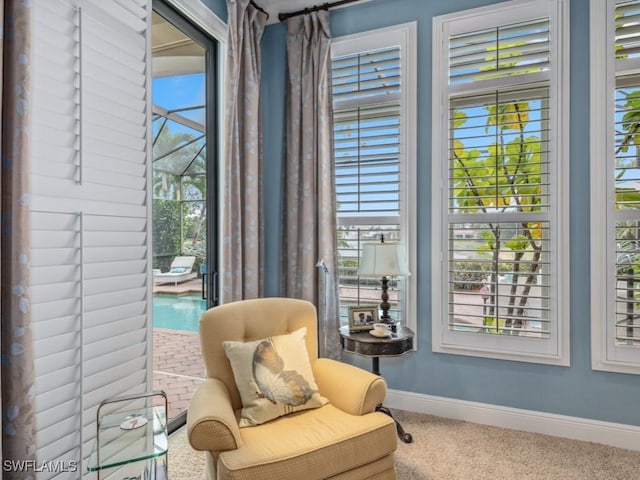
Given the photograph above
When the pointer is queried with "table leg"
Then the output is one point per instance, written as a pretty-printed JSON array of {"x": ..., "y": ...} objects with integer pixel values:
[{"x": 404, "y": 436}]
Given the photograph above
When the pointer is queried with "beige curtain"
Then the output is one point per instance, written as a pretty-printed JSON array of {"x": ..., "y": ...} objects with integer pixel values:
[
  {"x": 309, "y": 222},
  {"x": 242, "y": 218},
  {"x": 17, "y": 372}
]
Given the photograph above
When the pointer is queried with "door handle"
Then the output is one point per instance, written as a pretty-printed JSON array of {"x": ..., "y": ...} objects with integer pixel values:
[
  {"x": 204, "y": 286},
  {"x": 214, "y": 288}
]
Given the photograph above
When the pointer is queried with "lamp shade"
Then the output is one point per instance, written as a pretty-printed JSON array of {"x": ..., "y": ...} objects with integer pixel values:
[{"x": 382, "y": 259}]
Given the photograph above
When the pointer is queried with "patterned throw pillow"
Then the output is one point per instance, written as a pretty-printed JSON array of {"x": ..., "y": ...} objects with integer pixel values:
[{"x": 273, "y": 376}]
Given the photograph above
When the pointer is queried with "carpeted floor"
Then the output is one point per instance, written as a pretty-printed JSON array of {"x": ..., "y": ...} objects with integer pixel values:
[{"x": 444, "y": 449}]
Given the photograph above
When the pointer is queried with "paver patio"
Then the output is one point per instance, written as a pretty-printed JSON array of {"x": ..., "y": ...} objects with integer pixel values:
[{"x": 177, "y": 366}]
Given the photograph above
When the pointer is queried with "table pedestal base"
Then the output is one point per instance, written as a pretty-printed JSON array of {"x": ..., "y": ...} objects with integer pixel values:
[
  {"x": 397, "y": 343},
  {"x": 404, "y": 436}
]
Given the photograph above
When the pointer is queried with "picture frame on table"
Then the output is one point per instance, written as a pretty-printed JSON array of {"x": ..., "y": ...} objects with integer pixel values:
[{"x": 362, "y": 317}]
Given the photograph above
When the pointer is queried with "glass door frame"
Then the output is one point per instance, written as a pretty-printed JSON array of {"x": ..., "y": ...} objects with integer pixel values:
[{"x": 212, "y": 115}]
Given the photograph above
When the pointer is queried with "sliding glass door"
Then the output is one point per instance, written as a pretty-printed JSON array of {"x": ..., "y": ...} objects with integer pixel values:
[{"x": 185, "y": 209}]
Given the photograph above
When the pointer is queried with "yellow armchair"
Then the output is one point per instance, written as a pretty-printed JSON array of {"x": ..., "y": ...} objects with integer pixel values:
[{"x": 344, "y": 439}]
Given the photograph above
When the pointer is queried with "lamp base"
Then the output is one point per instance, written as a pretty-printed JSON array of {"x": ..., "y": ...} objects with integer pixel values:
[
  {"x": 384, "y": 305},
  {"x": 388, "y": 321}
]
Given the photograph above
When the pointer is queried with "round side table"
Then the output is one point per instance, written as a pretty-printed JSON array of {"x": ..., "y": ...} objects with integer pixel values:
[{"x": 367, "y": 345}]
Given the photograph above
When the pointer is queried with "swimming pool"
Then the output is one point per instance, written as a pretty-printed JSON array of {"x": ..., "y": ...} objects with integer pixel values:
[{"x": 178, "y": 312}]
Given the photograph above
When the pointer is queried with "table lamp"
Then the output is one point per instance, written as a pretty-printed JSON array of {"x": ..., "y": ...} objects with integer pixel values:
[{"x": 382, "y": 259}]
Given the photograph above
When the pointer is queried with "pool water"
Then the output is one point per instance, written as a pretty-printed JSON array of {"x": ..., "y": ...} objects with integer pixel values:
[{"x": 178, "y": 312}]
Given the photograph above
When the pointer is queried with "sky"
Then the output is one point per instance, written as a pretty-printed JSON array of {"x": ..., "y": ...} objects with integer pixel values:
[{"x": 180, "y": 91}]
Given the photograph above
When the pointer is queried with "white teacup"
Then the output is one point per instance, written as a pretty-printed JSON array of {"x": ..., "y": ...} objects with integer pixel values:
[{"x": 381, "y": 328}]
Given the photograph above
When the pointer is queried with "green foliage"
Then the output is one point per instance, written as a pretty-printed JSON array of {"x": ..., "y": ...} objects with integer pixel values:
[
  {"x": 179, "y": 191},
  {"x": 631, "y": 121},
  {"x": 166, "y": 232},
  {"x": 491, "y": 322},
  {"x": 468, "y": 275}
]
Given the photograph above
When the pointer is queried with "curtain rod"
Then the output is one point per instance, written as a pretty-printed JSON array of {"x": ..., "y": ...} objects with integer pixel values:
[
  {"x": 259, "y": 8},
  {"x": 306, "y": 11}
]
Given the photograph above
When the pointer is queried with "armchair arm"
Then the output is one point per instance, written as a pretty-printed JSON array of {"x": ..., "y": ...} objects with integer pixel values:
[
  {"x": 211, "y": 422},
  {"x": 349, "y": 388}
]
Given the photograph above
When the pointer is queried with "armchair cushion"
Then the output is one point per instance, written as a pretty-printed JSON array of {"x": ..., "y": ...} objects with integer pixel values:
[
  {"x": 320, "y": 443},
  {"x": 273, "y": 376}
]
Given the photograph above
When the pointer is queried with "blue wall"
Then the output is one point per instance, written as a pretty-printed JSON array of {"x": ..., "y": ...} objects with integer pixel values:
[
  {"x": 576, "y": 390},
  {"x": 274, "y": 56}
]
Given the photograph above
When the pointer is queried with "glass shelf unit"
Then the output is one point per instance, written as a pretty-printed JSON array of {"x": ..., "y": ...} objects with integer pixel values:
[{"x": 133, "y": 431}]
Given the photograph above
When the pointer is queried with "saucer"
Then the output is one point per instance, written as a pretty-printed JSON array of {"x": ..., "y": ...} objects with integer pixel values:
[
  {"x": 379, "y": 335},
  {"x": 133, "y": 422}
]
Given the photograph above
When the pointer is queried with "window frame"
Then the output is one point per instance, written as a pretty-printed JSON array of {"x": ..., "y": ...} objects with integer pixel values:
[
  {"x": 555, "y": 350},
  {"x": 605, "y": 354},
  {"x": 404, "y": 35}
]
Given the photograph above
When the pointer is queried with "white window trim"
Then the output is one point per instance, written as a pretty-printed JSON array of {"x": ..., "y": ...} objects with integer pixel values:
[
  {"x": 605, "y": 355},
  {"x": 554, "y": 351},
  {"x": 407, "y": 37},
  {"x": 203, "y": 17}
]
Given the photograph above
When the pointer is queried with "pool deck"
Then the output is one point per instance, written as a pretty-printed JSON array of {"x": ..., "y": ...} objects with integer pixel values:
[
  {"x": 178, "y": 368},
  {"x": 190, "y": 286}
]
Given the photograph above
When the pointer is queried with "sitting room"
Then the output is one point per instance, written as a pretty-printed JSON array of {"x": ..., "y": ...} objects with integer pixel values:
[{"x": 293, "y": 239}]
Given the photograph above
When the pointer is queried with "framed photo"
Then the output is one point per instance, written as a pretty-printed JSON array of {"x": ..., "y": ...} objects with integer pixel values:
[{"x": 362, "y": 318}]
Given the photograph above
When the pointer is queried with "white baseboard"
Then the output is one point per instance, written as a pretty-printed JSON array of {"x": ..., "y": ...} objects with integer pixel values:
[{"x": 607, "y": 433}]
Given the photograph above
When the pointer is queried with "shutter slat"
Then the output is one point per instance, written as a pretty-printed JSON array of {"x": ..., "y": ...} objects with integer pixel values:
[
  {"x": 114, "y": 329},
  {"x": 107, "y": 346},
  {"x": 55, "y": 415},
  {"x": 114, "y": 313},
  {"x": 100, "y": 118}
]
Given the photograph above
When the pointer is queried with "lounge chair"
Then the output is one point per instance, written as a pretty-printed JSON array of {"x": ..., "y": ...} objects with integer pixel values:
[{"x": 180, "y": 271}]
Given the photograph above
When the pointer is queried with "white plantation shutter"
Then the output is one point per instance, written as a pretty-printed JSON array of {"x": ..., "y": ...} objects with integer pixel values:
[
  {"x": 372, "y": 91},
  {"x": 627, "y": 35},
  {"x": 372, "y": 75},
  {"x": 366, "y": 131},
  {"x": 499, "y": 162},
  {"x": 499, "y": 52},
  {"x": 482, "y": 209},
  {"x": 623, "y": 329},
  {"x": 367, "y": 160},
  {"x": 615, "y": 196},
  {"x": 90, "y": 251},
  {"x": 56, "y": 310}
]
